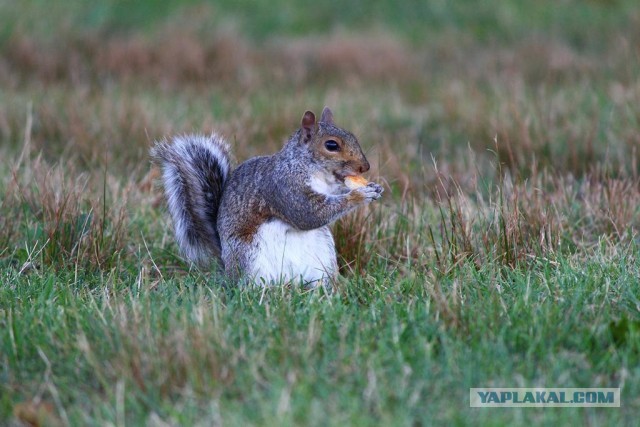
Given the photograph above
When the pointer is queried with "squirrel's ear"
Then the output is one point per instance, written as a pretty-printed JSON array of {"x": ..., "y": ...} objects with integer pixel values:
[
  {"x": 327, "y": 116},
  {"x": 308, "y": 125}
]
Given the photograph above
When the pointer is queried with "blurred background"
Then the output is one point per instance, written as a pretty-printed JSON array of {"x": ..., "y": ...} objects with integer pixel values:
[{"x": 555, "y": 82}]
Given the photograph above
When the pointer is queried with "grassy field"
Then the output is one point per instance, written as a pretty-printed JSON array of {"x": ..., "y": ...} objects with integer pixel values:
[{"x": 504, "y": 253}]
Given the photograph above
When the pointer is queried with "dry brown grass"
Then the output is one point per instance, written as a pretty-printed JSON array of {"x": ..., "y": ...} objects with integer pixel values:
[
  {"x": 352, "y": 59},
  {"x": 176, "y": 56},
  {"x": 540, "y": 99},
  {"x": 62, "y": 217},
  {"x": 512, "y": 224},
  {"x": 549, "y": 116}
]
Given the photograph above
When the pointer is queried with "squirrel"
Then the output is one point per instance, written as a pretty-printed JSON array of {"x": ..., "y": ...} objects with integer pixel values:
[{"x": 267, "y": 220}]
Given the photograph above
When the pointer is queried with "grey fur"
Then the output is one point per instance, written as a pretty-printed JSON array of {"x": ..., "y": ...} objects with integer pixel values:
[{"x": 194, "y": 171}]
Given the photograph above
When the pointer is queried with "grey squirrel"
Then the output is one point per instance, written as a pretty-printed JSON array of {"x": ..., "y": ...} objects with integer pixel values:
[{"x": 267, "y": 220}]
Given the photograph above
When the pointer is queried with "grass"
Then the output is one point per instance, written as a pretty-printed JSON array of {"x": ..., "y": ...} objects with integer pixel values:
[{"x": 504, "y": 252}]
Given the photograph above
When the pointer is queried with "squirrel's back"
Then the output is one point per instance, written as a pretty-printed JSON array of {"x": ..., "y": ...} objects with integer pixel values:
[{"x": 195, "y": 169}]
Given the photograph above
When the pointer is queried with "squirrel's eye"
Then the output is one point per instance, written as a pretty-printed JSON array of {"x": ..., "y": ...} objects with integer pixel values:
[{"x": 332, "y": 145}]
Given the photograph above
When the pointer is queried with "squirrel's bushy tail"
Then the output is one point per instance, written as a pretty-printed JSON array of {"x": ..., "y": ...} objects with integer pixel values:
[{"x": 194, "y": 170}]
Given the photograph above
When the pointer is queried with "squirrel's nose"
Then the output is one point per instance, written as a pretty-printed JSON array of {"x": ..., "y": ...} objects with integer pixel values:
[{"x": 364, "y": 167}]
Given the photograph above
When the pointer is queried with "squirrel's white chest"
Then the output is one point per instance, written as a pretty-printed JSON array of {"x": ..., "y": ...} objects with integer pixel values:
[{"x": 283, "y": 253}]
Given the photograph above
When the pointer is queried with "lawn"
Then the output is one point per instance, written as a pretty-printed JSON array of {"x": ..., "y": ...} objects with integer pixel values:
[{"x": 504, "y": 252}]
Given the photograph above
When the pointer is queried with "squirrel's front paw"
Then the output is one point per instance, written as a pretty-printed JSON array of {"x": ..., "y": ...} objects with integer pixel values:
[{"x": 370, "y": 192}]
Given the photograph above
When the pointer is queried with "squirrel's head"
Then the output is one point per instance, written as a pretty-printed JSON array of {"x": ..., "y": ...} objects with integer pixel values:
[{"x": 335, "y": 148}]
